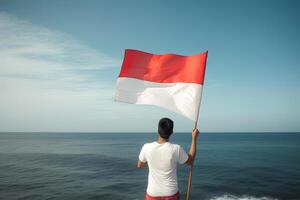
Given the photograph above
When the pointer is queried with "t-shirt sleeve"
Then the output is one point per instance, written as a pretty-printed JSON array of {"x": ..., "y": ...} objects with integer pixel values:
[
  {"x": 142, "y": 156},
  {"x": 182, "y": 156}
]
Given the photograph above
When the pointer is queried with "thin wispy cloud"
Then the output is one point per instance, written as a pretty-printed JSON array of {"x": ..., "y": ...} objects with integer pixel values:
[
  {"x": 45, "y": 73},
  {"x": 33, "y": 52}
]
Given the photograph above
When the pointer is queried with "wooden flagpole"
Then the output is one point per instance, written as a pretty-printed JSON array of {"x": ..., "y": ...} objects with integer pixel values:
[
  {"x": 190, "y": 175},
  {"x": 189, "y": 183}
]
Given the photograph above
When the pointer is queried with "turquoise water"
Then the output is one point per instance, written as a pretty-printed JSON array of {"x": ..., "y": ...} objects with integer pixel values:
[{"x": 103, "y": 166}]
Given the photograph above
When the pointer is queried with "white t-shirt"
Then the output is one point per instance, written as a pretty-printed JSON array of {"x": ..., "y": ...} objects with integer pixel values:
[{"x": 162, "y": 160}]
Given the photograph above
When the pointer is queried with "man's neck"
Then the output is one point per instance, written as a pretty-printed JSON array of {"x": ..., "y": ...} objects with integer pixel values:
[{"x": 161, "y": 140}]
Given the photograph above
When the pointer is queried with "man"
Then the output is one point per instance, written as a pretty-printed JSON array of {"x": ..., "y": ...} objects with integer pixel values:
[{"x": 162, "y": 158}]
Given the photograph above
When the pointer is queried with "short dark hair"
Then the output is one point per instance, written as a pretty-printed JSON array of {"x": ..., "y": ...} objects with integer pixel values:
[{"x": 165, "y": 127}]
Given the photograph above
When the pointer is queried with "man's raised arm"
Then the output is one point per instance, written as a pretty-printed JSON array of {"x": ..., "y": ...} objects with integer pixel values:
[{"x": 193, "y": 148}]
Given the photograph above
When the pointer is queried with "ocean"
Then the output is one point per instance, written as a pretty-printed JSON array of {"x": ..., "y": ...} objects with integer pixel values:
[{"x": 239, "y": 166}]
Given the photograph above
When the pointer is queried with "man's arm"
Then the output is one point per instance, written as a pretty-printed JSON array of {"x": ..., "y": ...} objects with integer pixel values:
[
  {"x": 141, "y": 164},
  {"x": 193, "y": 148},
  {"x": 142, "y": 158}
]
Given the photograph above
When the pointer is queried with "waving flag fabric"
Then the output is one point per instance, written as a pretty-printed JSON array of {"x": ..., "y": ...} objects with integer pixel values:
[{"x": 170, "y": 81}]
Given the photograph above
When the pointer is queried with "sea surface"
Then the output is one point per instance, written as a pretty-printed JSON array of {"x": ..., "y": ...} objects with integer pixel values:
[{"x": 103, "y": 166}]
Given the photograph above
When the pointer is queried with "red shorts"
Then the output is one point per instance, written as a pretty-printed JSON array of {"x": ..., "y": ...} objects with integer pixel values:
[{"x": 173, "y": 197}]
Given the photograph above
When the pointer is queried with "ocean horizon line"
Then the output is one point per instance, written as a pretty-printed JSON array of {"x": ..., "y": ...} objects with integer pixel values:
[{"x": 148, "y": 132}]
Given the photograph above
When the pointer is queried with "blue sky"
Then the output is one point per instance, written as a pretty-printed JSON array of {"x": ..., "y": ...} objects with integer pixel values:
[{"x": 59, "y": 61}]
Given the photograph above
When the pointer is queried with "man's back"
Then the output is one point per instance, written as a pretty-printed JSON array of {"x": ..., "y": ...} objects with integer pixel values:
[
  {"x": 162, "y": 157},
  {"x": 162, "y": 160}
]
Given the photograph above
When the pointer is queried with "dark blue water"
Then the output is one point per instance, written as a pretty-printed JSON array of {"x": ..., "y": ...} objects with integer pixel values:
[{"x": 103, "y": 166}]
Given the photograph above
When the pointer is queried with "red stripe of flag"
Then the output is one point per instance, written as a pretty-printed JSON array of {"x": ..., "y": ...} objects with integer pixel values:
[{"x": 164, "y": 68}]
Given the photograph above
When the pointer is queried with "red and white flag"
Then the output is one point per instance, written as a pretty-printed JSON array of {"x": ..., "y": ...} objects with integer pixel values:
[{"x": 170, "y": 81}]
